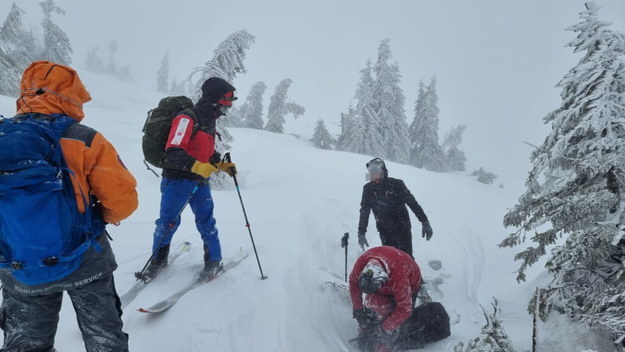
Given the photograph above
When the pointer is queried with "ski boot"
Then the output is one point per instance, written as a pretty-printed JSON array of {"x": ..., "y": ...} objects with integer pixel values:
[
  {"x": 156, "y": 265},
  {"x": 211, "y": 268}
]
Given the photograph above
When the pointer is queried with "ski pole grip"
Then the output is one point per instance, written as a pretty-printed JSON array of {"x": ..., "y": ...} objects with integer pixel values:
[
  {"x": 227, "y": 157},
  {"x": 344, "y": 240}
]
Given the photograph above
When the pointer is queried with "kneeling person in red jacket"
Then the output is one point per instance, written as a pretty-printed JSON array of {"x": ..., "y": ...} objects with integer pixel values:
[{"x": 390, "y": 279}]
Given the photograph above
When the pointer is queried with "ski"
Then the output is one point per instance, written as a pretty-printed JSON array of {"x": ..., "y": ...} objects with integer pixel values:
[
  {"x": 134, "y": 291},
  {"x": 168, "y": 302}
]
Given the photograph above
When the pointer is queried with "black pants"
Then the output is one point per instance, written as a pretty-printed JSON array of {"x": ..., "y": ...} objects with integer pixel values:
[
  {"x": 429, "y": 322},
  {"x": 401, "y": 239},
  {"x": 30, "y": 322}
]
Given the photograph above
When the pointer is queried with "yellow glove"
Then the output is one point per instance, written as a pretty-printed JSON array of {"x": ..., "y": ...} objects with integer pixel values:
[
  {"x": 227, "y": 167},
  {"x": 203, "y": 169}
]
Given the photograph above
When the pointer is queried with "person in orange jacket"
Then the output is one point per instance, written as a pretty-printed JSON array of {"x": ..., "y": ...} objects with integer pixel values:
[
  {"x": 31, "y": 312},
  {"x": 390, "y": 280}
]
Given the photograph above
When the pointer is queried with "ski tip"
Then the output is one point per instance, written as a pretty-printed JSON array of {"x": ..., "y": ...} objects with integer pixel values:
[{"x": 142, "y": 310}]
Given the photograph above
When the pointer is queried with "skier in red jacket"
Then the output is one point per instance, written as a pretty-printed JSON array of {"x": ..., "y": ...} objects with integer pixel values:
[{"x": 390, "y": 279}]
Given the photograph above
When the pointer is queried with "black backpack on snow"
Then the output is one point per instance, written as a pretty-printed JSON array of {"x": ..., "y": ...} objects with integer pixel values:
[{"x": 157, "y": 126}]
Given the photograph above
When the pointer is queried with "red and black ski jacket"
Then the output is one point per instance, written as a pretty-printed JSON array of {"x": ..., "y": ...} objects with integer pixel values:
[
  {"x": 404, "y": 280},
  {"x": 192, "y": 140}
]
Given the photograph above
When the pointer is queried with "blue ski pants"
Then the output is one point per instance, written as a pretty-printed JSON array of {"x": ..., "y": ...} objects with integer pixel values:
[{"x": 174, "y": 195}]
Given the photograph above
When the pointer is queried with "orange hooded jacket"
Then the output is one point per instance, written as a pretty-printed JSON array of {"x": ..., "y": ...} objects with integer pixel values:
[{"x": 50, "y": 88}]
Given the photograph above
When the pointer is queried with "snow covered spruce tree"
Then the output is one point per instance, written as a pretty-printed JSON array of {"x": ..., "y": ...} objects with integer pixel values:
[
  {"x": 415, "y": 130},
  {"x": 575, "y": 186},
  {"x": 57, "y": 47},
  {"x": 162, "y": 75},
  {"x": 387, "y": 100},
  {"x": 321, "y": 137},
  {"x": 93, "y": 62},
  {"x": 279, "y": 107},
  {"x": 17, "y": 51},
  {"x": 226, "y": 63},
  {"x": 361, "y": 131},
  {"x": 233, "y": 118},
  {"x": 493, "y": 339},
  {"x": 227, "y": 60},
  {"x": 425, "y": 151},
  {"x": 455, "y": 158},
  {"x": 252, "y": 109}
]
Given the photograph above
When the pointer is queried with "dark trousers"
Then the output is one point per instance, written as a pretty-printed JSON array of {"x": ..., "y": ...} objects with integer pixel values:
[
  {"x": 429, "y": 322},
  {"x": 30, "y": 322},
  {"x": 399, "y": 239}
]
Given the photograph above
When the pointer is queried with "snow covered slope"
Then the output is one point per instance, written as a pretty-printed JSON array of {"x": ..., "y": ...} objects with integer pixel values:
[{"x": 300, "y": 201}]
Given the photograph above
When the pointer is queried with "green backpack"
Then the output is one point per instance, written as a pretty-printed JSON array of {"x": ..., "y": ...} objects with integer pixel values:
[{"x": 157, "y": 126}]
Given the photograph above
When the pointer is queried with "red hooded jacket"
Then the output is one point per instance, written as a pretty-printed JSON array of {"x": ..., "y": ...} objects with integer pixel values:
[{"x": 404, "y": 280}]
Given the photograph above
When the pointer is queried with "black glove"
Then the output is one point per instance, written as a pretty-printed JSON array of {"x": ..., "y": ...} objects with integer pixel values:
[
  {"x": 365, "y": 317},
  {"x": 362, "y": 240},
  {"x": 387, "y": 338},
  {"x": 426, "y": 230},
  {"x": 215, "y": 158}
]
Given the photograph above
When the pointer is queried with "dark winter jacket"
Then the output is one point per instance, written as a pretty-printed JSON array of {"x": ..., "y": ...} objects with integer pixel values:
[
  {"x": 404, "y": 280},
  {"x": 388, "y": 201},
  {"x": 188, "y": 143}
]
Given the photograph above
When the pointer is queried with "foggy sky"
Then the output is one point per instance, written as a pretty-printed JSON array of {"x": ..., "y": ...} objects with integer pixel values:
[{"x": 496, "y": 62}]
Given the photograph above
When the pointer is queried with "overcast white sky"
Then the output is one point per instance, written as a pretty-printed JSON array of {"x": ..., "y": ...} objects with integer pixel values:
[{"x": 496, "y": 62}]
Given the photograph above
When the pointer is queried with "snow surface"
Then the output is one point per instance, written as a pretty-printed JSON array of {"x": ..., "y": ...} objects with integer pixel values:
[{"x": 300, "y": 200}]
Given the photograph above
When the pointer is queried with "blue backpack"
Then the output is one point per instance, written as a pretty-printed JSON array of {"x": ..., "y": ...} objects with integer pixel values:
[{"x": 42, "y": 233}]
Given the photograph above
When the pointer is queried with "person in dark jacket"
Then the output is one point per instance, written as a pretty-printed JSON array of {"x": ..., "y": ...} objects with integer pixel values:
[
  {"x": 389, "y": 279},
  {"x": 387, "y": 197},
  {"x": 191, "y": 148}
]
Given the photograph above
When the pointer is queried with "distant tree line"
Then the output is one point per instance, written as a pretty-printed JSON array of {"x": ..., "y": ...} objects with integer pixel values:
[
  {"x": 375, "y": 123},
  {"x": 94, "y": 63}
]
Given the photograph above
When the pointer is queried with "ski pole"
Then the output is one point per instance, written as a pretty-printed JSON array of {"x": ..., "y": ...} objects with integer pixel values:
[
  {"x": 139, "y": 275},
  {"x": 344, "y": 245},
  {"x": 228, "y": 159}
]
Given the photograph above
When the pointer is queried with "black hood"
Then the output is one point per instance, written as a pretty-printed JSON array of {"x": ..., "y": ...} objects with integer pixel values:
[{"x": 213, "y": 89}]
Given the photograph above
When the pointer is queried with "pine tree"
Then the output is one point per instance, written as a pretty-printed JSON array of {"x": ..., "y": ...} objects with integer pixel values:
[
  {"x": 455, "y": 158},
  {"x": 111, "y": 68},
  {"x": 17, "y": 51},
  {"x": 57, "y": 47},
  {"x": 575, "y": 186},
  {"x": 426, "y": 152},
  {"x": 9, "y": 84},
  {"x": 279, "y": 107},
  {"x": 233, "y": 118},
  {"x": 345, "y": 128},
  {"x": 93, "y": 61},
  {"x": 226, "y": 63},
  {"x": 252, "y": 109},
  {"x": 162, "y": 75},
  {"x": 388, "y": 104},
  {"x": 484, "y": 176},
  {"x": 22, "y": 44},
  {"x": 416, "y": 127},
  {"x": 321, "y": 137},
  {"x": 227, "y": 59},
  {"x": 493, "y": 339},
  {"x": 362, "y": 132}
]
